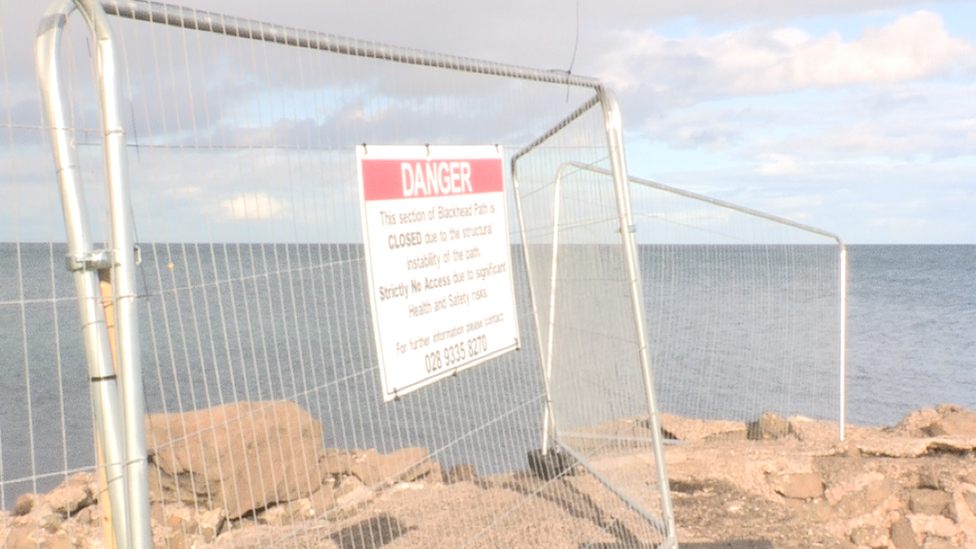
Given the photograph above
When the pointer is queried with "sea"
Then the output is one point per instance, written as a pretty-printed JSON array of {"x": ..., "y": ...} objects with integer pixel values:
[{"x": 911, "y": 343}]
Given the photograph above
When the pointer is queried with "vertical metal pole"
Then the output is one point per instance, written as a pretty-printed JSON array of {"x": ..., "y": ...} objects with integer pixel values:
[
  {"x": 618, "y": 162},
  {"x": 123, "y": 275},
  {"x": 83, "y": 263},
  {"x": 843, "y": 338},
  {"x": 549, "y": 422},
  {"x": 526, "y": 254}
]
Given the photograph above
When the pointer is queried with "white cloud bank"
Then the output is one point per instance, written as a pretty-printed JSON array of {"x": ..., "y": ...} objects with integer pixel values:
[
  {"x": 257, "y": 206},
  {"x": 777, "y": 165},
  {"x": 775, "y": 60}
]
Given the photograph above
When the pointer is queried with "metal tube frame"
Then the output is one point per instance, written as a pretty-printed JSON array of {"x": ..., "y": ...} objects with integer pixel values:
[
  {"x": 843, "y": 337},
  {"x": 84, "y": 262},
  {"x": 133, "y": 527},
  {"x": 543, "y": 357},
  {"x": 618, "y": 163},
  {"x": 188, "y": 18},
  {"x": 549, "y": 419}
]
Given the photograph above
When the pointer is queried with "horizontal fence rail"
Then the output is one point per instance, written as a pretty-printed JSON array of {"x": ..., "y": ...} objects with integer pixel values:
[{"x": 192, "y": 19}]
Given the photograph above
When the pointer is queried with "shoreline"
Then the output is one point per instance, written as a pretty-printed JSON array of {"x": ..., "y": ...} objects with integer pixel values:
[{"x": 776, "y": 482}]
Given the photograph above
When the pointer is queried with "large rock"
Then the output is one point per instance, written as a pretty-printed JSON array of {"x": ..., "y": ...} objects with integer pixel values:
[
  {"x": 953, "y": 421},
  {"x": 239, "y": 457},
  {"x": 916, "y": 423},
  {"x": 946, "y": 420},
  {"x": 901, "y": 447},
  {"x": 74, "y": 494}
]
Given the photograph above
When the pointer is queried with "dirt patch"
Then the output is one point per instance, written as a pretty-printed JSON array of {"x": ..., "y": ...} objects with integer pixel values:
[{"x": 718, "y": 514}]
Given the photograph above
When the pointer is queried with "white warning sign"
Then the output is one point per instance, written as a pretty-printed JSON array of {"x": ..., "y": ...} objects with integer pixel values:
[{"x": 438, "y": 260}]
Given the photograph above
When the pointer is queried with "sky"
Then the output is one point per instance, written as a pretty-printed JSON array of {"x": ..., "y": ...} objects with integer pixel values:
[{"x": 853, "y": 117}]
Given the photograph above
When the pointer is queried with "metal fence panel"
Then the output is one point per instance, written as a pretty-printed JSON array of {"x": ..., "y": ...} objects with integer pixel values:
[
  {"x": 750, "y": 308},
  {"x": 583, "y": 304},
  {"x": 252, "y": 303},
  {"x": 745, "y": 310},
  {"x": 745, "y": 313},
  {"x": 251, "y": 292},
  {"x": 45, "y": 430}
]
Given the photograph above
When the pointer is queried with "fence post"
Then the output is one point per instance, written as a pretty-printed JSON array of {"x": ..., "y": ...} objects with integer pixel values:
[
  {"x": 130, "y": 503},
  {"x": 843, "y": 339},
  {"x": 618, "y": 163},
  {"x": 547, "y": 419},
  {"x": 123, "y": 274},
  {"x": 550, "y": 421},
  {"x": 84, "y": 263}
]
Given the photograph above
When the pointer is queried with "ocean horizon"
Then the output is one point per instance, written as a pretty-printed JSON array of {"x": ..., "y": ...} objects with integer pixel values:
[{"x": 911, "y": 344}]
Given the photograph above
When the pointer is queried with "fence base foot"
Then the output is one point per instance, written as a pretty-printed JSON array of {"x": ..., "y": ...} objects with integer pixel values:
[{"x": 551, "y": 464}]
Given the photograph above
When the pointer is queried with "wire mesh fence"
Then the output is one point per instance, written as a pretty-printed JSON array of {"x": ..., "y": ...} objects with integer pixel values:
[
  {"x": 746, "y": 310},
  {"x": 745, "y": 315},
  {"x": 749, "y": 308},
  {"x": 45, "y": 431},
  {"x": 265, "y": 424}
]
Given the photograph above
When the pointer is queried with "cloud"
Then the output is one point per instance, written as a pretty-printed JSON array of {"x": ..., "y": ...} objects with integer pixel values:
[
  {"x": 759, "y": 61},
  {"x": 913, "y": 47},
  {"x": 777, "y": 165},
  {"x": 861, "y": 201},
  {"x": 905, "y": 122},
  {"x": 257, "y": 206},
  {"x": 784, "y": 101},
  {"x": 477, "y": 30},
  {"x": 764, "y": 104}
]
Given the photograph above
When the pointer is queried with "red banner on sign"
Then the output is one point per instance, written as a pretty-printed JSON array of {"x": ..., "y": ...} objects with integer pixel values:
[{"x": 397, "y": 179}]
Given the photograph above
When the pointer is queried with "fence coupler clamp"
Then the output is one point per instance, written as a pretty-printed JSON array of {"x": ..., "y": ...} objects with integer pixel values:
[{"x": 96, "y": 260}]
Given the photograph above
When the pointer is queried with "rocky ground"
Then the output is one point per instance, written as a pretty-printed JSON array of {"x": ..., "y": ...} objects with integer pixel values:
[
  {"x": 773, "y": 483},
  {"x": 910, "y": 486}
]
